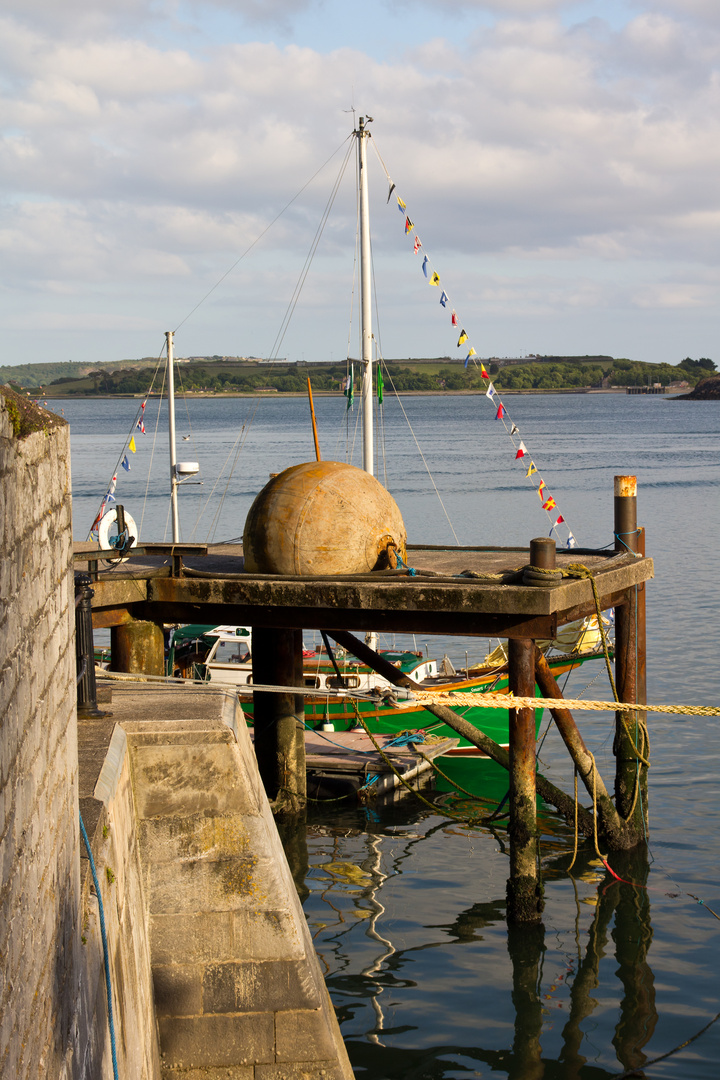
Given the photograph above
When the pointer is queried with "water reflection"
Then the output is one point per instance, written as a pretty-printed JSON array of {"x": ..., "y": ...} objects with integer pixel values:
[{"x": 352, "y": 867}]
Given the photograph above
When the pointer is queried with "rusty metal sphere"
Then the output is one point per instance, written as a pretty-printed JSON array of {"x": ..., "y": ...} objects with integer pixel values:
[{"x": 323, "y": 517}]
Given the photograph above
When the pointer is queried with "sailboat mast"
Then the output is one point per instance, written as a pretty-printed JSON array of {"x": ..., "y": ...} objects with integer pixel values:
[
  {"x": 365, "y": 299},
  {"x": 171, "y": 429}
]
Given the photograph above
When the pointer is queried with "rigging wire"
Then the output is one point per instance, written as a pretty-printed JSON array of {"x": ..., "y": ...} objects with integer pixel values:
[
  {"x": 290, "y": 310},
  {"x": 152, "y": 453},
  {"x": 260, "y": 236}
]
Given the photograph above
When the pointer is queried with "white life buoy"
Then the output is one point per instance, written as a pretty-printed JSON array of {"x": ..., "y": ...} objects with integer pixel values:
[{"x": 109, "y": 519}]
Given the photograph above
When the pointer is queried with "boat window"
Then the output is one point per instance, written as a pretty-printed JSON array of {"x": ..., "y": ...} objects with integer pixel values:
[
  {"x": 312, "y": 681},
  {"x": 348, "y": 682},
  {"x": 231, "y": 652}
]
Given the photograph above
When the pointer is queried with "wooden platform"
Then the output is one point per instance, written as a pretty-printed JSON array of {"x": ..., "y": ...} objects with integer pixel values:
[
  {"x": 471, "y": 591},
  {"x": 346, "y": 762}
]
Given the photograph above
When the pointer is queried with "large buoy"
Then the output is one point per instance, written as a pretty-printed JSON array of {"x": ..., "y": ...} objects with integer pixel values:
[{"x": 323, "y": 517}]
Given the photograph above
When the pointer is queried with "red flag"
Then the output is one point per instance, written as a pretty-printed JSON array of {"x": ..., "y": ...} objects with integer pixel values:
[
  {"x": 408, "y": 225},
  {"x": 501, "y": 411},
  {"x": 549, "y": 504},
  {"x": 483, "y": 372},
  {"x": 417, "y": 245},
  {"x": 522, "y": 451},
  {"x": 454, "y": 318},
  {"x": 560, "y": 521}
]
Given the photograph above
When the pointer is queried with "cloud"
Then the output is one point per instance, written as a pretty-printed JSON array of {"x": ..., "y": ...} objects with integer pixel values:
[{"x": 134, "y": 171}]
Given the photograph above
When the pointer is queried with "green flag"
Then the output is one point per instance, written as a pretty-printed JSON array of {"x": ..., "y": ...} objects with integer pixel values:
[
  {"x": 349, "y": 388},
  {"x": 380, "y": 385}
]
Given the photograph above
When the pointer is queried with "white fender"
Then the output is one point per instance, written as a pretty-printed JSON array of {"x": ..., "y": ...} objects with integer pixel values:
[{"x": 109, "y": 519}]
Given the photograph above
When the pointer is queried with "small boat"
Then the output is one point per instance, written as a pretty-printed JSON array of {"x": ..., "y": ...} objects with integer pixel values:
[{"x": 342, "y": 693}]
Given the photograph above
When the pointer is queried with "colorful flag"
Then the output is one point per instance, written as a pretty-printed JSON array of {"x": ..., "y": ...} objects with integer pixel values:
[
  {"x": 471, "y": 353},
  {"x": 462, "y": 339},
  {"x": 560, "y": 521},
  {"x": 417, "y": 245},
  {"x": 501, "y": 411},
  {"x": 143, "y": 405},
  {"x": 541, "y": 491},
  {"x": 532, "y": 469},
  {"x": 521, "y": 451},
  {"x": 453, "y": 318},
  {"x": 467, "y": 361},
  {"x": 444, "y": 298},
  {"x": 408, "y": 225},
  {"x": 435, "y": 279},
  {"x": 392, "y": 188},
  {"x": 110, "y": 497},
  {"x": 483, "y": 372},
  {"x": 571, "y": 541},
  {"x": 490, "y": 392},
  {"x": 141, "y": 425},
  {"x": 401, "y": 205},
  {"x": 425, "y": 266},
  {"x": 125, "y": 464},
  {"x": 113, "y": 482},
  {"x": 349, "y": 388},
  {"x": 380, "y": 385},
  {"x": 132, "y": 445},
  {"x": 549, "y": 505}
]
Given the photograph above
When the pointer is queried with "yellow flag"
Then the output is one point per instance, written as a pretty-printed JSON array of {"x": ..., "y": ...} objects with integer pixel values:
[
  {"x": 435, "y": 279},
  {"x": 532, "y": 469},
  {"x": 132, "y": 444},
  {"x": 462, "y": 338}
]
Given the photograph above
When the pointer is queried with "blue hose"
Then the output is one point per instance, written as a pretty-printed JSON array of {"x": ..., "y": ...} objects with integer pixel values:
[{"x": 106, "y": 955}]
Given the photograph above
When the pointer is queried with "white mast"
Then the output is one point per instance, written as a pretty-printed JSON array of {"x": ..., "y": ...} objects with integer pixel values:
[
  {"x": 365, "y": 299},
  {"x": 171, "y": 430}
]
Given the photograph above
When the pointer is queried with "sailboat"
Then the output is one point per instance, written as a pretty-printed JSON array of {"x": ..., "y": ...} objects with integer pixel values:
[{"x": 341, "y": 691}]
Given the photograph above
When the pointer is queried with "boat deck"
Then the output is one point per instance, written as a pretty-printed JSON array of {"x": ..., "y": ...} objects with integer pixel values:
[{"x": 472, "y": 591}]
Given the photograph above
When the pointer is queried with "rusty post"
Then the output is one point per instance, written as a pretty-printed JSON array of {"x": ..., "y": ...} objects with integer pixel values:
[
  {"x": 524, "y": 887},
  {"x": 543, "y": 552},
  {"x": 630, "y": 773},
  {"x": 138, "y": 647},
  {"x": 276, "y": 720}
]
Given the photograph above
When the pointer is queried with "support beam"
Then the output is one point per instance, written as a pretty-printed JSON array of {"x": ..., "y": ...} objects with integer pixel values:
[
  {"x": 138, "y": 647},
  {"x": 614, "y": 832},
  {"x": 279, "y": 718},
  {"x": 524, "y": 887},
  {"x": 630, "y": 773}
]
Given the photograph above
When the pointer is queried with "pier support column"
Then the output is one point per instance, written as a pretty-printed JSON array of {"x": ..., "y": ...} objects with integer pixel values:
[
  {"x": 279, "y": 718},
  {"x": 524, "y": 888},
  {"x": 138, "y": 648},
  {"x": 630, "y": 728}
]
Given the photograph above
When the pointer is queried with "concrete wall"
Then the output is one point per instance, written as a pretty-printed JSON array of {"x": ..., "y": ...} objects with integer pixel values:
[{"x": 39, "y": 871}]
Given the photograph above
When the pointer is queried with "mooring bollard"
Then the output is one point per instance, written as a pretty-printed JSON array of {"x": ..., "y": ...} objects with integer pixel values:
[{"x": 84, "y": 651}]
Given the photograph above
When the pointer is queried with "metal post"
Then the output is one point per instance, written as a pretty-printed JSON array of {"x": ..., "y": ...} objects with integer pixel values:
[
  {"x": 524, "y": 888},
  {"x": 276, "y": 719},
  {"x": 365, "y": 299},
  {"x": 641, "y": 628},
  {"x": 171, "y": 430},
  {"x": 630, "y": 774},
  {"x": 84, "y": 650}
]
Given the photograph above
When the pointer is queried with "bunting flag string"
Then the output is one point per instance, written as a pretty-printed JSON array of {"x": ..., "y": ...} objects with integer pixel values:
[{"x": 521, "y": 452}]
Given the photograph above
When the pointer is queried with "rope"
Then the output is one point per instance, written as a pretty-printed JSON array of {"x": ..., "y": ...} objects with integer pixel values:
[
  {"x": 509, "y": 701},
  {"x": 106, "y": 953}
]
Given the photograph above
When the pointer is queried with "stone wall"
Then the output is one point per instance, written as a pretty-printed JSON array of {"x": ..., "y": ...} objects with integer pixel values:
[{"x": 39, "y": 873}]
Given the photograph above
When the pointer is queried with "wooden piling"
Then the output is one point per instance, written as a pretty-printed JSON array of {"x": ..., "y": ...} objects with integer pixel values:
[
  {"x": 138, "y": 648},
  {"x": 524, "y": 887},
  {"x": 278, "y": 723},
  {"x": 630, "y": 772}
]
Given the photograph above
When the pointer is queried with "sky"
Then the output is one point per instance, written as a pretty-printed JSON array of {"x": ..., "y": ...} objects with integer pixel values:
[{"x": 559, "y": 161}]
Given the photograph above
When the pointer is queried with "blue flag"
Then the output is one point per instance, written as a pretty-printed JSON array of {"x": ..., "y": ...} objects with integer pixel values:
[
  {"x": 425, "y": 266},
  {"x": 444, "y": 298},
  {"x": 125, "y": 464}
]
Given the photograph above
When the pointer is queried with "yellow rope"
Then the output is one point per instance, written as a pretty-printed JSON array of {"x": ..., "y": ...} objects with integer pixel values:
[{"x": 510, "y": 701}]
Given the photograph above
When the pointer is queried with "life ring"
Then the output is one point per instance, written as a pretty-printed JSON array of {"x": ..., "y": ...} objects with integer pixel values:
[{"x": 106, "y": 521}]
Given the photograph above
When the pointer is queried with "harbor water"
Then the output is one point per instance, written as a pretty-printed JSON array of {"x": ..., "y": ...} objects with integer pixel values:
[{"x": 407, "y": 902}]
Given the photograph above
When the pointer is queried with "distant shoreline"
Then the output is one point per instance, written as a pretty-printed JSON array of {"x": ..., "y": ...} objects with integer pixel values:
[{"x": 334, "y": 393}]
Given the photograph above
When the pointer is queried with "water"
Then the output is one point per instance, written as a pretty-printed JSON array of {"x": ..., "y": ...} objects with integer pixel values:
[{"x": 407, "y": 906}]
